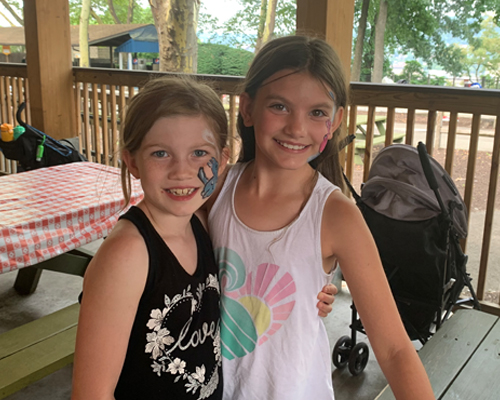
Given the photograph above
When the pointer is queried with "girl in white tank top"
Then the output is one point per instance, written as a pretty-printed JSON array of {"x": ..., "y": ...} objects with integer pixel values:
[{"x": 279, "y": 227}]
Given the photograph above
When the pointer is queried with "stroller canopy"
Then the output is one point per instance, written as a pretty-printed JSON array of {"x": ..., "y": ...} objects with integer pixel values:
[{"x": 397, "y": 188}]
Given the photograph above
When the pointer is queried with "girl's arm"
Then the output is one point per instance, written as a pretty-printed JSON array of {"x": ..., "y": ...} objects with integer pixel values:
[
  {"x": 113, "y": 285},
  {"x": 346, "y": 236}
]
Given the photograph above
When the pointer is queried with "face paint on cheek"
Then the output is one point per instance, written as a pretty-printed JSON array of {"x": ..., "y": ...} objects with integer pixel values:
[
  {"x": 210, "y": 184},
  {"x": 329, "y": 123},
  {"x": 209, "y": 137},
  {"x": 323, "y": 144}
]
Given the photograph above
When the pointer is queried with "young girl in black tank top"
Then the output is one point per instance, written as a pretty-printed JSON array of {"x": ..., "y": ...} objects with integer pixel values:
[{"x": 149, "y": 320}]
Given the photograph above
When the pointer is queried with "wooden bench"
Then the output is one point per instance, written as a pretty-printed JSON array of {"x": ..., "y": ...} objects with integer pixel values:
[
  {"x": 37, "y": 349},
  {"x": 462, "y": 358}
]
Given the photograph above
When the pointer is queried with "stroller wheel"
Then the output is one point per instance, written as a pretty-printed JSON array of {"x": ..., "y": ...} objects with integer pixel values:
[
  {"x": 341, "y": 351},
  {"x": 358, "y": 358}
]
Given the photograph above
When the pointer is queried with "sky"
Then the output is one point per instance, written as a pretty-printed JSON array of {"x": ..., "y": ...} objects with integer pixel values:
[{"x": 223, "y": 9}]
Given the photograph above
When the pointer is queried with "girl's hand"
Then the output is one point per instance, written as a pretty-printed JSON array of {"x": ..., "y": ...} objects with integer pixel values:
[{"x": 326, "y": 298}]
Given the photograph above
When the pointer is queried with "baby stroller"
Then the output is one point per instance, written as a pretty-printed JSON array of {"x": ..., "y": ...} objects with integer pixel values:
[
  {"x": 417, "y": 217},
  {"x": 35, "y": 149}
]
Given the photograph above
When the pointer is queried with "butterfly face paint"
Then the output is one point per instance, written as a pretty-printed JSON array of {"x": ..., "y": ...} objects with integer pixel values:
[
  {"x": 213, "y": 164},
  {"x": 209, "y": 187},
  {"x": 328, "y": 129},
  {"x": 325, "y": 138}
]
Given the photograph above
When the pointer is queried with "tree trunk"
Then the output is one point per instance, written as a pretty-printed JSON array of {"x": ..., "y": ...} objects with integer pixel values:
[
  {"x": 95, "y": 16},
  {"x": 262, "y": 24},
  {"x": 378, "y": 62},
  {"x": 191, "y": 56},
  {"x": 84, "y": 31},
  {"x": 113, "y": 12},
  {"x": 130, "y": 11},
  {"x": 270, "y": 20},
  {"x": 358, "y": 52},
  {"x": 176, "y": 23},
  {"x": 368, "y": 56},
  {"x": 13, "y": 12}
]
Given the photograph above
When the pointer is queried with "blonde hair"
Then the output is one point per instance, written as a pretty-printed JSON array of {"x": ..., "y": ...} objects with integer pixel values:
[
  {"x": 167, "y": 97},
  {"x": 300, "y": 54}
]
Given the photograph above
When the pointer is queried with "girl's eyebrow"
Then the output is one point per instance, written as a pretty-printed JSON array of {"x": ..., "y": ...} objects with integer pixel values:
[
  {"x": 153, "y": 145},
  {"x": 201, "y": 143},
  {"x": 273, "y": 96},
  {"x": 325, "y": 104}
]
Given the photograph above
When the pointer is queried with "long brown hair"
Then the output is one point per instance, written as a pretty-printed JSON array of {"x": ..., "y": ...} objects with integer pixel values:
[
  {"x": 302, "y": 54},
  {"x": 167, "y": 97}
]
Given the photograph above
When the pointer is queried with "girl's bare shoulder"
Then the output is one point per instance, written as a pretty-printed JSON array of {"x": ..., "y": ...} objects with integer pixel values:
[
  {"x": 340, "y": 209},
  {"x": 123, "y": 251},
  {"x": 342, "y": 222}
]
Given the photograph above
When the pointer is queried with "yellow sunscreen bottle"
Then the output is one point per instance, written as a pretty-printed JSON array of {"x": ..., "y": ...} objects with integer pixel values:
[{"x": 7, "y": 132}]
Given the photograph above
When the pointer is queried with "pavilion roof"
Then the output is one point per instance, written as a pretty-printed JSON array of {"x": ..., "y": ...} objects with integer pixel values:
[{"x": 102, "y": 34}]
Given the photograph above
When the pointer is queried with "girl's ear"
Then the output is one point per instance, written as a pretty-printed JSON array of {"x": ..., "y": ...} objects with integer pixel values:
[
  {"x": 337, "y": 120},
  {"x": 129, "y": 160},
  {"x": 245, "y": 108}
]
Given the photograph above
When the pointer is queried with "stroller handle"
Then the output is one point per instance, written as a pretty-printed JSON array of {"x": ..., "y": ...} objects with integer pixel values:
[
  {"x": 20, "y": 109},
  {"x": 426, "y": 165},
  {"x": 431, "y": 178}
]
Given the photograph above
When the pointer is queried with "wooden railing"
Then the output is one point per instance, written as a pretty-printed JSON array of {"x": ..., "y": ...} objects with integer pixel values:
[
  {"x": 108, "y": 91},
  {"x": 13, "y": 91},
  {"x": 102, "y": 95}
]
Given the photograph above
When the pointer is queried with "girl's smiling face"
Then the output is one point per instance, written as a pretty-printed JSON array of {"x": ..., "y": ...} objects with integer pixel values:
[
  {"x": 178, "y": 164},
  {"x": 293, "y": 115}
]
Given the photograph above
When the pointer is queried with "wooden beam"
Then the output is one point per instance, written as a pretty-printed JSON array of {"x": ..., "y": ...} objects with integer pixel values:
[
  {"x": 49, "y": 64},
  {"x": 331, "y": 20}
]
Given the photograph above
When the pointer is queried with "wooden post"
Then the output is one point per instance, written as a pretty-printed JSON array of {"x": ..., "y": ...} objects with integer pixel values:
[
  {"x": 331, "y": 20},
  {"x": 49, "y": 65}
]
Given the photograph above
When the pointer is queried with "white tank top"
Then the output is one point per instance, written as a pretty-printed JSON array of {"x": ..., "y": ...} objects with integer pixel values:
[{"x": 274, "y": 344}]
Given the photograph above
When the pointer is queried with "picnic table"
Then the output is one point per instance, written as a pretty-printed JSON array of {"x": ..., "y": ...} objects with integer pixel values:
[
  {"x": 46, "y": 215},
  {"x": 378, "y": 136},
  {"x": 462, "y": 358},
  {"x": 379, "y": 120}
]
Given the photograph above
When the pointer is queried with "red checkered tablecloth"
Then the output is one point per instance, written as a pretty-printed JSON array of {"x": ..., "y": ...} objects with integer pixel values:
[{"x": 49, "y": 211}]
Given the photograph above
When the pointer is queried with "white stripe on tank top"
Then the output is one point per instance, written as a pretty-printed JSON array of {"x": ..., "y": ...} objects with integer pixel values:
[{"x": 274, "y": 344}]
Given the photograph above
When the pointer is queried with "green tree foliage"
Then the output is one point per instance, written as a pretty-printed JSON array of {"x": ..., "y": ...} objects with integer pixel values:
[
  {"x": 141, "y": 15},
  {"x": 241, "y": 30},
  {"x": 437, "y": 81},
  {"x": 217, "y": 59},
  {"x": 453, "y": 60},
  {"x": 490, "y": 40},
  {"x": 413, "y": 73},
  {"x": 418, "y": 27},
  {"x": 481, "y": 59}
]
